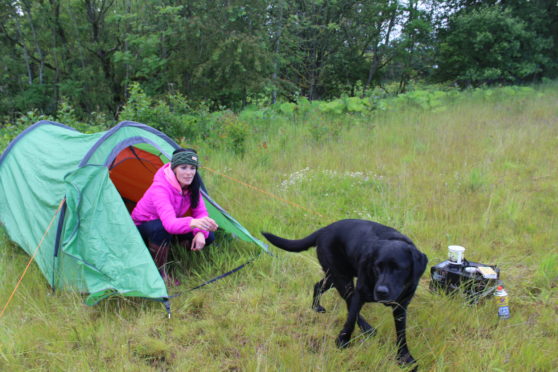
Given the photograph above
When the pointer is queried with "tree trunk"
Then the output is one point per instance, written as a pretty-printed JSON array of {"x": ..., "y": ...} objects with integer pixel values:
[
  {"x": 25, "y": 53},
  {"x": 27, "y": 8},
  {"x": 96, "y": 16},
  {"x": 276, "y": 56},
  {"x": 376, "y": 58}
]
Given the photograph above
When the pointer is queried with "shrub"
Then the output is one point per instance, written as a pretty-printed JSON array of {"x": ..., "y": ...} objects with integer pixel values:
[
  {"x": 158, "y": 114},
  {"x": 226, "y": 131}
]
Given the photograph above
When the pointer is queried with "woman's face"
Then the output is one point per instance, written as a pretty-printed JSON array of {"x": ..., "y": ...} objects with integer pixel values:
[{"x": 185, "y": 174}]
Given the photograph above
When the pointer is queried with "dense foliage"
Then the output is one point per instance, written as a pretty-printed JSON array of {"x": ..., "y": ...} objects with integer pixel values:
[
  {"x": 229, "y": 131},
  {"x": 228, "y": 54},
  {"x": 488, "y": 45}
]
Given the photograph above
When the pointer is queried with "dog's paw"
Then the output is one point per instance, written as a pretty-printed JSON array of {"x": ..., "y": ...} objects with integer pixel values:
[
  {"x": 368, "y": 331},
  {"x": 366, "y": 328},
  {"x": 319, "y": 309},
  {"x": 406, "y": 359},
  {"x": 342, "y": 341}
]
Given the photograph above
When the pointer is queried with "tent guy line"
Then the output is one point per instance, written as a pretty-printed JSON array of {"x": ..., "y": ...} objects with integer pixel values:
[
  {"x": 264, "y": 192},
  {"x": 32, "y": 257}
]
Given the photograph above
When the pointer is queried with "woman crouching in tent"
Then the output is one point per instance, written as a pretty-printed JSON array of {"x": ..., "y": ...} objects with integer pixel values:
[{"x": 160, "y": 214}]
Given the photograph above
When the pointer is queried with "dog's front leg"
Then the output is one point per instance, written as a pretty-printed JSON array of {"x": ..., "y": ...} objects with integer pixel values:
[
  {"x": 354, "y": 304},
  {"x": 403, "y": 354}
]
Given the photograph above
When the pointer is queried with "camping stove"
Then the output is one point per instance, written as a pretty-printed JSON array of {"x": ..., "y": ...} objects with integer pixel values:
[{"x": 473, "y": 279}]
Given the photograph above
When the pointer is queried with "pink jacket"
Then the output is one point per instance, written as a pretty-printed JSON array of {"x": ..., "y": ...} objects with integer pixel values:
[{"x": 164, "y": 200}]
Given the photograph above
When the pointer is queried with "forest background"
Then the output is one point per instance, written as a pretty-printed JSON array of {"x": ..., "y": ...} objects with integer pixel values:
[{"x": 217, "y": 55}]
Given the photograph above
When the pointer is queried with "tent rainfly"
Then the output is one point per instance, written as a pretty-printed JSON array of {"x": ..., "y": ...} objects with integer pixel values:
[{"x": 93, "y": 245}]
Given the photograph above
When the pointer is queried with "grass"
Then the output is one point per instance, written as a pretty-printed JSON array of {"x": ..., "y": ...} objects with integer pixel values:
[{"x": 477, "y": 174}]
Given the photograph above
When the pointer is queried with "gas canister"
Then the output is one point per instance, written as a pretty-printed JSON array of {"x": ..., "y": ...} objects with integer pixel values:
[{"x": 501, "y": 297}]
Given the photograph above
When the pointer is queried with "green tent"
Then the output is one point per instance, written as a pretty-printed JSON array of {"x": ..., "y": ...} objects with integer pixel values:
[{"x": 93, "y": 246}]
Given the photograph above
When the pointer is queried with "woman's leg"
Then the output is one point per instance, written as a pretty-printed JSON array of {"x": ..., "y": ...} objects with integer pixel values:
[
  {"x": 158, "y": 241},
  {"x": 210, "y": 239}
]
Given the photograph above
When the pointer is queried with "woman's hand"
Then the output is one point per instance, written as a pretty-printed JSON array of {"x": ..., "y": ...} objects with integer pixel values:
[
  {"x": 204, "y": 223},
  {"x": 198, "y": 242}
]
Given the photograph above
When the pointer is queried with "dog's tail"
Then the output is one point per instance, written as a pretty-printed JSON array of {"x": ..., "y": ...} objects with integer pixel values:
[{"x": 292, "y": 245}]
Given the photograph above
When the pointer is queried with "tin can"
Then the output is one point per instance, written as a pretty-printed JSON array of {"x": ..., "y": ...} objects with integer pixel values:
[
  {"x": 455, "y": 254},
  {"x": 502, "y": 301}
]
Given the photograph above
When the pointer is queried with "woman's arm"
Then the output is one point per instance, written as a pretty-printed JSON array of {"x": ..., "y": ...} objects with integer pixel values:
[
  {"x": 202, "y": 222},
  {"x": 162, "y": 200}
]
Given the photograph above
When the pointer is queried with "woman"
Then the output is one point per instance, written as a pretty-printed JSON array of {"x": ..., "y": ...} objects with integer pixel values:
[{"x": 173, "y": 207}]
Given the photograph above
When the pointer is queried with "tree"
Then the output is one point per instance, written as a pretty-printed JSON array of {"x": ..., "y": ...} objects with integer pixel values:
[
  {"x": 489, "y": 45},
  {"x": 413, "y": 49}
]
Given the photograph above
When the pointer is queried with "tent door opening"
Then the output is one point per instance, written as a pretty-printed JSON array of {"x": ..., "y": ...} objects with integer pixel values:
[{"x": 132, "y": 172}]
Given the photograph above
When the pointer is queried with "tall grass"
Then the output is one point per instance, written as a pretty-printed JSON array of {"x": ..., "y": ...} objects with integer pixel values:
[{"x": 481, "y": 174}]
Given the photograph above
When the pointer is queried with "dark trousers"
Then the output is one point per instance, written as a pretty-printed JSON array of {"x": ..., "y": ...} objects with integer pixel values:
[{"x": 159, "y": 240}]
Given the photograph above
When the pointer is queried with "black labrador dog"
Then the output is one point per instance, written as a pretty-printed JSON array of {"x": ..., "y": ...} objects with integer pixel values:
[{"x": 385, "y": 262}]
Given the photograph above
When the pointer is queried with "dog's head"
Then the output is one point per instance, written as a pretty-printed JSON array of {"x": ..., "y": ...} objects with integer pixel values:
[{"x": 396, "y": 268}]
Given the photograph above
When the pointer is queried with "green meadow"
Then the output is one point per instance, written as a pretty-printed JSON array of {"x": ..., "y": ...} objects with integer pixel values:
[{"x": 478, "y": 171}]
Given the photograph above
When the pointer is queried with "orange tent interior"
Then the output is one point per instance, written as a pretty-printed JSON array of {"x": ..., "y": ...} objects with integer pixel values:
[{"x": 132, "y": 172}]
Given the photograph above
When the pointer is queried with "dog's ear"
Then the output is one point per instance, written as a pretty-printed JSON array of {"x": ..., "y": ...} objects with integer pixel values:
[{"x": 419, "y": 263}]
